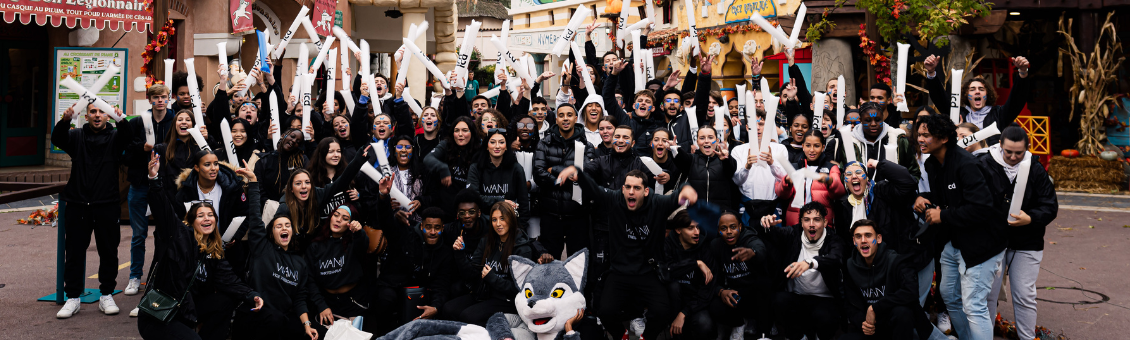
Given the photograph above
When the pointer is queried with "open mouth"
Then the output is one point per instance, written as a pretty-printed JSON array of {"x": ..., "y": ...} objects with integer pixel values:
[
  {"x": 207, "y": 226},
  {"x": 284, "y": 237},
  {"x": 303, "y": 194},
  {"x": 342, "y": 132},
  {"x": 731, "y": 239},
  {"x": 977, "y": 100},
  {"x": 811, "y": 234},
  {"x": 542, "y": 321},
  {"x": 632, "y": 202},
  {"x": 856, "y": 185},
  {"x": 865, "y": 249}
]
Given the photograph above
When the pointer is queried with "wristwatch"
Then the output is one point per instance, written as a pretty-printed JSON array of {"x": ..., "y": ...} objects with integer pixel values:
[
  {"x": 306, "y": 323},
  {"x": 810, "y": 264}
]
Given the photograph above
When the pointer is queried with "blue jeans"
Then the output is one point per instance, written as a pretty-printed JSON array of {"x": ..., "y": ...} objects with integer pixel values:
[
  {"x": 925, "y": 279},
  {"x": 138, "y": 202},
  {"x": 966, "y": 292}
]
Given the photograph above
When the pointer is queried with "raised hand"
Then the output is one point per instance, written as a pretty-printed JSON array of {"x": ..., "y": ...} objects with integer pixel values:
[
  {"x": 672, "y": 80},
  {"x": 770, "y": 220},
  {"x": 154, "y": 164},
  {"x": 931, "y": 63},
  {"x": 755, "y": 66},
  {"x": 1022, "y": 65}
]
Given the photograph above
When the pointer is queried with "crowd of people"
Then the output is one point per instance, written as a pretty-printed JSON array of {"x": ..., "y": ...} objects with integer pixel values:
[{"x": 695, "y": 230}]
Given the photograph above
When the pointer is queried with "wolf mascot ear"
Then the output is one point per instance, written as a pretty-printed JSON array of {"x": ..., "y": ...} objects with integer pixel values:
[
  {"x": 548, "y": 294},
  {"x": 577, "y": 266}
]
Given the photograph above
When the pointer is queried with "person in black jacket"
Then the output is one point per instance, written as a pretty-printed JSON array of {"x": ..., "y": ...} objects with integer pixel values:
[
  {"x": 979, "y": 99},
  {"x": 193, "y": 254},
  {"x": 1038, "y": 208},
  {"x": 274, "y": 167},
  {"x": 136, "y": 152},
  {"x": 450, "y": 162},
  {"x": 497, "y": 176},
  {"x": 710, "y": 170},
  {"x": 212, "y": 181},
  {"x": 417, "y": 262},
  {"x": 91, "y": 199},
  {"x": 636, "y": 222},
  {"x": 969, "y": 222},
  {"x": 872, "y": 138},
  {"x": 687, "y": 257},
  {"x": 464, "y": 235},
  {"x": 880, "y": 290},
  {"x": 562, "y": 219},
  {"x": 304, "y": 203},
  {"x": 810, "y": 255},
  {"x": 335, "y": 261},
  {"x": 738, "y": 257},
  {"x": 496, "y": 289},
  {"x": 178, "y": 146}
]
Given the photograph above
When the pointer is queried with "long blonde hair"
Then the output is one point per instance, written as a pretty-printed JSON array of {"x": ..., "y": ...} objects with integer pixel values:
[{"x": 210, "y": 244}]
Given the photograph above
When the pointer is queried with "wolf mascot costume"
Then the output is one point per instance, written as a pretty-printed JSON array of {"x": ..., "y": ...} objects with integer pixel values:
[{"x": 548, "y": 296}]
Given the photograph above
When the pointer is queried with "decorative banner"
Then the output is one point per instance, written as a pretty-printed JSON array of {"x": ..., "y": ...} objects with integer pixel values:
[
  {"x": 741, "y": 10},
  {"x": 112, "y": 15},
  {"x": 570, "y": 30},
  {"x": 900, "y": 79},
  {"x": 290, "y": 32},
  {"x": 324, "y": 17},
  {"x": 241, "y": 19},
  {"x": 955, "y": 95}
]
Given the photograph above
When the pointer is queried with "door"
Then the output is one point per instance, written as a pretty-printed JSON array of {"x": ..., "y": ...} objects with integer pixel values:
[{"x": 24, "y": 94}]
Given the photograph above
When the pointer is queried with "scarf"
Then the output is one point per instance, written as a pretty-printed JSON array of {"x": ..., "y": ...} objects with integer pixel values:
[
  {"x": 809, "y": 250},
  {"x": 978, "y": 117},
  {"x": 858, "y": 207},
  {"x": 811, "y": 282},
  {"x": 1011, "y": 170}
]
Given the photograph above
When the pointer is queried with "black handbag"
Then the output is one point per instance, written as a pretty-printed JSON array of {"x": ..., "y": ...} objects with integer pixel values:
[{"x": 162, "y": 306}]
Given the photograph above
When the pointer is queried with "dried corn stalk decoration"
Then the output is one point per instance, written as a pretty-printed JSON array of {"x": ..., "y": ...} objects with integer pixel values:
[{"x": 1093, "y": 72}]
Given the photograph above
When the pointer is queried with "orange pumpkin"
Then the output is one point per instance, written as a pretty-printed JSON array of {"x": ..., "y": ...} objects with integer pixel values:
[{"x": 1070, "y": 153}]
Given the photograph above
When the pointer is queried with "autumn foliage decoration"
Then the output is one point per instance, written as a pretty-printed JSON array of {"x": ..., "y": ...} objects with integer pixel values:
[
  {"x": 159, "y": 40},
  {"x": 875, "y": 56}
]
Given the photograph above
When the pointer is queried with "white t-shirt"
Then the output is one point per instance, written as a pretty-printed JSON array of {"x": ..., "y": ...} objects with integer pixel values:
[{"x": 213, "y": 196}]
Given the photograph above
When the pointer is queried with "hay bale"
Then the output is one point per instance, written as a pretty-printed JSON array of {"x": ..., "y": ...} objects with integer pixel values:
[
  {"x": 1088, "y": 173},
  {"x": 1090, "y": 187}
]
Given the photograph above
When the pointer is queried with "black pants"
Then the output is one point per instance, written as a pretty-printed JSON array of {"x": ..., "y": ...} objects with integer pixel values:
[
  {"x": 81, "y": 221},
  {"x": 214, "y": 313},
  {"x": 696, "y": 325},
  {"x": 900, "y": 325},
  {"x": 598, "y": 264},
  {"x": 176, "y": 329},
  {"x": 270, "y": 323},
  {"x": 391, "y": 309},
  {"x": 559, "y": 231},
  {"x": 806, "y": 315},
  {"x": 350, "y": 304},
  {"x": 468, "y": 309},
  {"x": 755, "y": 303},
  {"x": 625, "y": 296}
]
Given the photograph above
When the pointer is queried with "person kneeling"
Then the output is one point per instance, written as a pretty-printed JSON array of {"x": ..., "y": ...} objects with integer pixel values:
[{"x": 880, "y": 290}]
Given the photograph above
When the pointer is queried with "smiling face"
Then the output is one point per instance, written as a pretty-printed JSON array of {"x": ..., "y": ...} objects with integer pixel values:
[
  {"x": 382, "y": 127},
  {"x": 707, "y": 141},
  {"x": 538, "y": 112},
  {"x": 813, "y": 225},
  {"x": 289, "y": 142},
  {"x": 295, "y": 124},
  {"x": 622, "y": 140},
  {"x": 281, "y": 232},
  {"x": 526, "y": 128},
  {"x": 301, "y": 187},
  {"x": 341, "y": 127},
  {"x": 812, "y": 148},
  {"x": 431, "y": 120},
  {"x": 643, "y": 106},
  {"x": 689, "y": 236},
  {"x": 339, "y": 222},
  {"x": 928, "y": 143},
  {"x": 238, "y": 134},
  {"x": 593, "y": 113},
  {"x": 732, "y": 106},
  {"x": 96, "y": 117},
  {"x": 403, "y": 152},
  {"x": 855, "y": 179},
  {"x": 866, "y": 241},
  {"x": 496, "y": 146},
  {"x": 461, "y": 133},
  {"x": 566, "y": 118},
  {"x": 500, "y": 225},
  {"x": 797, "y": 129},
  {"x": 250, "y": 113},
  {"x": 205, "y": 221},
  {"x": 609, "y": 59},
  {"x": 183, "y": 123},
  {"x": 432, "y": 227},
  {"x": 478, "y": 106},
  {"x": 977, "y": 95},
  {"x": 729, "y": 228},
  {"x": 333, "y": 155},
  {"x": 208, "y": 167},
  {"x": 634, "y": 192}
]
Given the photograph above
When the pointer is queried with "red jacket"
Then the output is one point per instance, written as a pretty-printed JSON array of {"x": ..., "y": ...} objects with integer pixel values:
[{"x": 820, "y": 193}]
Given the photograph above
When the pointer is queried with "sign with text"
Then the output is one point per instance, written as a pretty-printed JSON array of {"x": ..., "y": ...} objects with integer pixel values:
[
  {"x": 741, "y": 10},
  {"x": 84, "y": 65},
  {"x": 102, "y": 14}
]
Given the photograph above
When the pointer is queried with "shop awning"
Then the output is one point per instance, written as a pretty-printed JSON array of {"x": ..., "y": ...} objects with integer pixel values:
[{"x": 100, "y": 14}]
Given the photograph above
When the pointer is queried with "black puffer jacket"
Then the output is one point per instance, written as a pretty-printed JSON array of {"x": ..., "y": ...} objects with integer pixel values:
[
  {"x": 891, "y": 203},
  {"x": 95, "y": 156},
  {"x": 554, "y": 154},
  {"x": 610, "y": 170},
  {"x": 233, "y": 200},
  {"x": 177, "y": 255},
  {"x": 710, "y": 176},
  {"x": 1040, "y": 202}
]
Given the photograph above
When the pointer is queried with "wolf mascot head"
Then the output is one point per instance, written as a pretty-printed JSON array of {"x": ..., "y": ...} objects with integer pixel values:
[{"x": 549, "y": 294}]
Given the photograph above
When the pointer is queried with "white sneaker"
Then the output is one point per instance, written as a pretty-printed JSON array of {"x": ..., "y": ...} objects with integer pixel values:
[
  {"x": 70, "y": 308},
  {"x": 106, "y": 305},
  {"x": 133, "y": 313},
  {"x": 944, "y": 323},
  {"x": 637, "y": 326},
  {"x": 133, "y": 286},
  {"x": 738, "y": 333}
]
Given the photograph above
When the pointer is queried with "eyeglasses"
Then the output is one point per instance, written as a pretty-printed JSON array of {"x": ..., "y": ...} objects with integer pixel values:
[
  {"x": 853, "y": 121},
  {"x": 670, "y": 100},
  {"x": 468, "y": 212},
  {"x": 524, "y": 125},
  {"x": 404, "y": 147},
  {"x": 490, "y": 119},
  {"x": 858, "y": 172},
  {"x": 207, "y": 203},
  {"x": 496, "y": 130}
]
